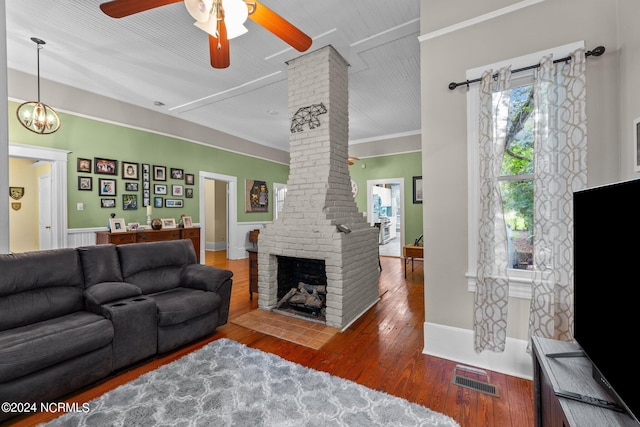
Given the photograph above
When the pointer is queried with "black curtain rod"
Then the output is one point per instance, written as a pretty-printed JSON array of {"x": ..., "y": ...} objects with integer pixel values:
[{"x": 595, "y": 52}]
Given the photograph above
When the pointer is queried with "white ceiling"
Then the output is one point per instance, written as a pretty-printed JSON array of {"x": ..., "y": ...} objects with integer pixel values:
[{"x": 159, "y": 55}]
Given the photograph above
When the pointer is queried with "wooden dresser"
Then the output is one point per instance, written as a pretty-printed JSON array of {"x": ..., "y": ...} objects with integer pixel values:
[{"x": 193, "y": 233}]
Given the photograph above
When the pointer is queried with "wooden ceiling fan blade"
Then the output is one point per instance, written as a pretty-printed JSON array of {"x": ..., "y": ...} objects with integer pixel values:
[
  {"x": 122, "y": 8},
  {"x": 279, "y": 26},
  {"x": 219, "y": 49}
]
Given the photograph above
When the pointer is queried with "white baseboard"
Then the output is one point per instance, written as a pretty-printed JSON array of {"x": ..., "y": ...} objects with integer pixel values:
[{"x": 457, "y": 344}]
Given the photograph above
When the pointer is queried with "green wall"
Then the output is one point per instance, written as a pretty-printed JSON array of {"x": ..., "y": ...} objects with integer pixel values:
[
  {"x": 87, "y": 138},
  {"x": 406, "y": 165}
]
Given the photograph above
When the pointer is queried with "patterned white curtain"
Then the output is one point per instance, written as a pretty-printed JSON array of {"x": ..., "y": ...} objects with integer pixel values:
[
  {"x": 492, "y": 286},
  {"x": 560, "y": 169}
]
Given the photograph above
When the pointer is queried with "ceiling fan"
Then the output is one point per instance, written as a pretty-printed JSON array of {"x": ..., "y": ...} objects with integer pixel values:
[{"x": 222, "y": 20}]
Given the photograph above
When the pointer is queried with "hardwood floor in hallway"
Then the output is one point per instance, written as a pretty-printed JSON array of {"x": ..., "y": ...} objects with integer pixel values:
[{"x": 381, "y": 350}]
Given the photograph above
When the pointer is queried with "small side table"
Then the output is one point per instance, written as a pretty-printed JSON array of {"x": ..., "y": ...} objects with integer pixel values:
[{"x": 411, "y": 251}]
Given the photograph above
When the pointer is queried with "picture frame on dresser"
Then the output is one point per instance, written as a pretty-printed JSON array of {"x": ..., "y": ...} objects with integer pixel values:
[
  {"x": 187, "y": 222},
  {"x": 117, "y": 225},
  {"x": 168, "y": 223}
]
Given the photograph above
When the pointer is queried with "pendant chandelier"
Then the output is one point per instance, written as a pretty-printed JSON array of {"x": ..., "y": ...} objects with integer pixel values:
[{"x": 34, "y": 115}]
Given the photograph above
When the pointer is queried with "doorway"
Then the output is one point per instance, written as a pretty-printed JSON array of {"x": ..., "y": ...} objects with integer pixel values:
[
  {"x": 226, "y": 187},
  {"x": 385, "y": 209},
  {"x": 55, "y": 218}
]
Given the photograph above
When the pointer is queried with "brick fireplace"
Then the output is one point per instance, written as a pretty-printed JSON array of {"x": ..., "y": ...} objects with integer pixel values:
[{"x": 319, "y": 197}]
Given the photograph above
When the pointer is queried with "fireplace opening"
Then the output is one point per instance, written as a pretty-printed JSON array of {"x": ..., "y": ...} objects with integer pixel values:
[{"x": 302, "y": 287}]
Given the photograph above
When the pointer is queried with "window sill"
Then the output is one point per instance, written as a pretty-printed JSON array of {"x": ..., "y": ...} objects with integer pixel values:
[{"x": 519, "y": 283}]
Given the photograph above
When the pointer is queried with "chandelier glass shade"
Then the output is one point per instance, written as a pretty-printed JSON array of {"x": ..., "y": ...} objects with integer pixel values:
[{"x": 34, "y": 115}]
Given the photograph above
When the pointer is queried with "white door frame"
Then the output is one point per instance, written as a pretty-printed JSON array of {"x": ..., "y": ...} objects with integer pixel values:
[
  {"x": 44, "y": 212},
  {"x": 58, "y": 159},
  {"x": 232, "y": 212},
  {"x": 370, "y": 184}
]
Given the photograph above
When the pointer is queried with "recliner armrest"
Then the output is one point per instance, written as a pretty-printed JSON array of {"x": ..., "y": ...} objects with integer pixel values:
[
  {"x": 204, "y": 277},
  {"x": 106, "y": 292}
]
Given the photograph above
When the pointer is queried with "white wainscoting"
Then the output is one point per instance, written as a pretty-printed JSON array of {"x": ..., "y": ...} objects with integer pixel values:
[
  {"x": 82, "y": 236},
  {"x": 237, "y": 250},
  {"x": 243, "y": 236}
]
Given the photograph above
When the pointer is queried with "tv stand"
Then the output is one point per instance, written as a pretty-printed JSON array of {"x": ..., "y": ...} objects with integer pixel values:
[{"x": 564, "y": 391}]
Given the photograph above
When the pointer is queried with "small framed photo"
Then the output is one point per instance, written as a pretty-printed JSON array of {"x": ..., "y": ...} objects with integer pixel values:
[
  {"x": 157, "y": 202},
  {"x": 107, "y": 187},
  {"x": 108, "y": 203},
  {"x": 173, "y": 203},
  {"x": 130, "y": 170},
  {"x": 117, "y": 225},
  {"x": 159, "y": 173},
  {"x": 146, "y": 194},
  {"x": 188, "y": 193},
  {"x": 187, "y": 222},
  {"x": 168, "y": 223},
  {"x": 105, "y": 166},
  {"x": 189, "y": 179},
  {"x": 146, "y": 201},
  {"x": 133, "y": 226},
  {"x": 129, "y": 202},
  {"x": 84, "y": 165},
  {"x": 131, "y": 186},
  {"x": 177, "y": 190},
  {"x": 85, "y": 183},
  {"x": 146, "y": 168},
  {"x": 177, "y": 173},
  {"x": 417, "y": 189},
  {"x": 159, "y": 189}
]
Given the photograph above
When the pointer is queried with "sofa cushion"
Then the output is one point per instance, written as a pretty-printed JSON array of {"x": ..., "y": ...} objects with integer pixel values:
[
  {"x": 41, "y": 285},
  {"x": 33, "y": 347},
  {"x": 25, "y": 308},
  {"x": 103, "y": 293},
  {"x": 155, "y": 266},
  {"x": 180, "y": 304},
  {"x": 100, "y": 263}
]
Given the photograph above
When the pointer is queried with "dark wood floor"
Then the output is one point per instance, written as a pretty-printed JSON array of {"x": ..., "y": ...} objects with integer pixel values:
[{"x": 381, "y": 350}]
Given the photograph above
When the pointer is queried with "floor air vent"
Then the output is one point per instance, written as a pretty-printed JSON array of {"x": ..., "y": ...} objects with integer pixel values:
[{"x": 466, "y": 376}]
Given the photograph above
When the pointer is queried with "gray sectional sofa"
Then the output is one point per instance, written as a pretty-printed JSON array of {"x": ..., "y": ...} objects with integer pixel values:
[{"x": 71, "y": 317}]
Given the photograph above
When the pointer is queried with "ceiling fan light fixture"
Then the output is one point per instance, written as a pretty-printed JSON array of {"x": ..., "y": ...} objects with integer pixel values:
[
  {"x": 200, "y": 10},
  {"x": 34, "y": 115},
  {"x": 235, "y": 13}
]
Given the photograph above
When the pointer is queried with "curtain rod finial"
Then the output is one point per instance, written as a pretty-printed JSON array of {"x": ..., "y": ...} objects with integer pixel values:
[
  {"x": 597, "y": 51},
  {"x": 453, "y": 85}
]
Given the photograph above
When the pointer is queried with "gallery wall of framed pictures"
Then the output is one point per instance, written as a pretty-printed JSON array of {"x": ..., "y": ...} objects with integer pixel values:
[{"x": 128, "y": 185}]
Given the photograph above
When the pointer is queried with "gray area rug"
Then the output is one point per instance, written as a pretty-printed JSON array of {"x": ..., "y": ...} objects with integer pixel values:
[{"x": 229, "y": 384}]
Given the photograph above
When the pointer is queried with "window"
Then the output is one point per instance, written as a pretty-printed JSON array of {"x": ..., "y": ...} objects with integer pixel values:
[
  {"x": 516, "y": 173},
  {"x": 516, "y": 178}
]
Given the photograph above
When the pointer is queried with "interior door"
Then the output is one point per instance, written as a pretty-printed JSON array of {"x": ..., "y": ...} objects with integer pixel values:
[{"x": 44, "y": 212}]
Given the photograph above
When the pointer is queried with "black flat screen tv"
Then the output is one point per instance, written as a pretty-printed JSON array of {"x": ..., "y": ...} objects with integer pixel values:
[{"x": 606, "y": 305}]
